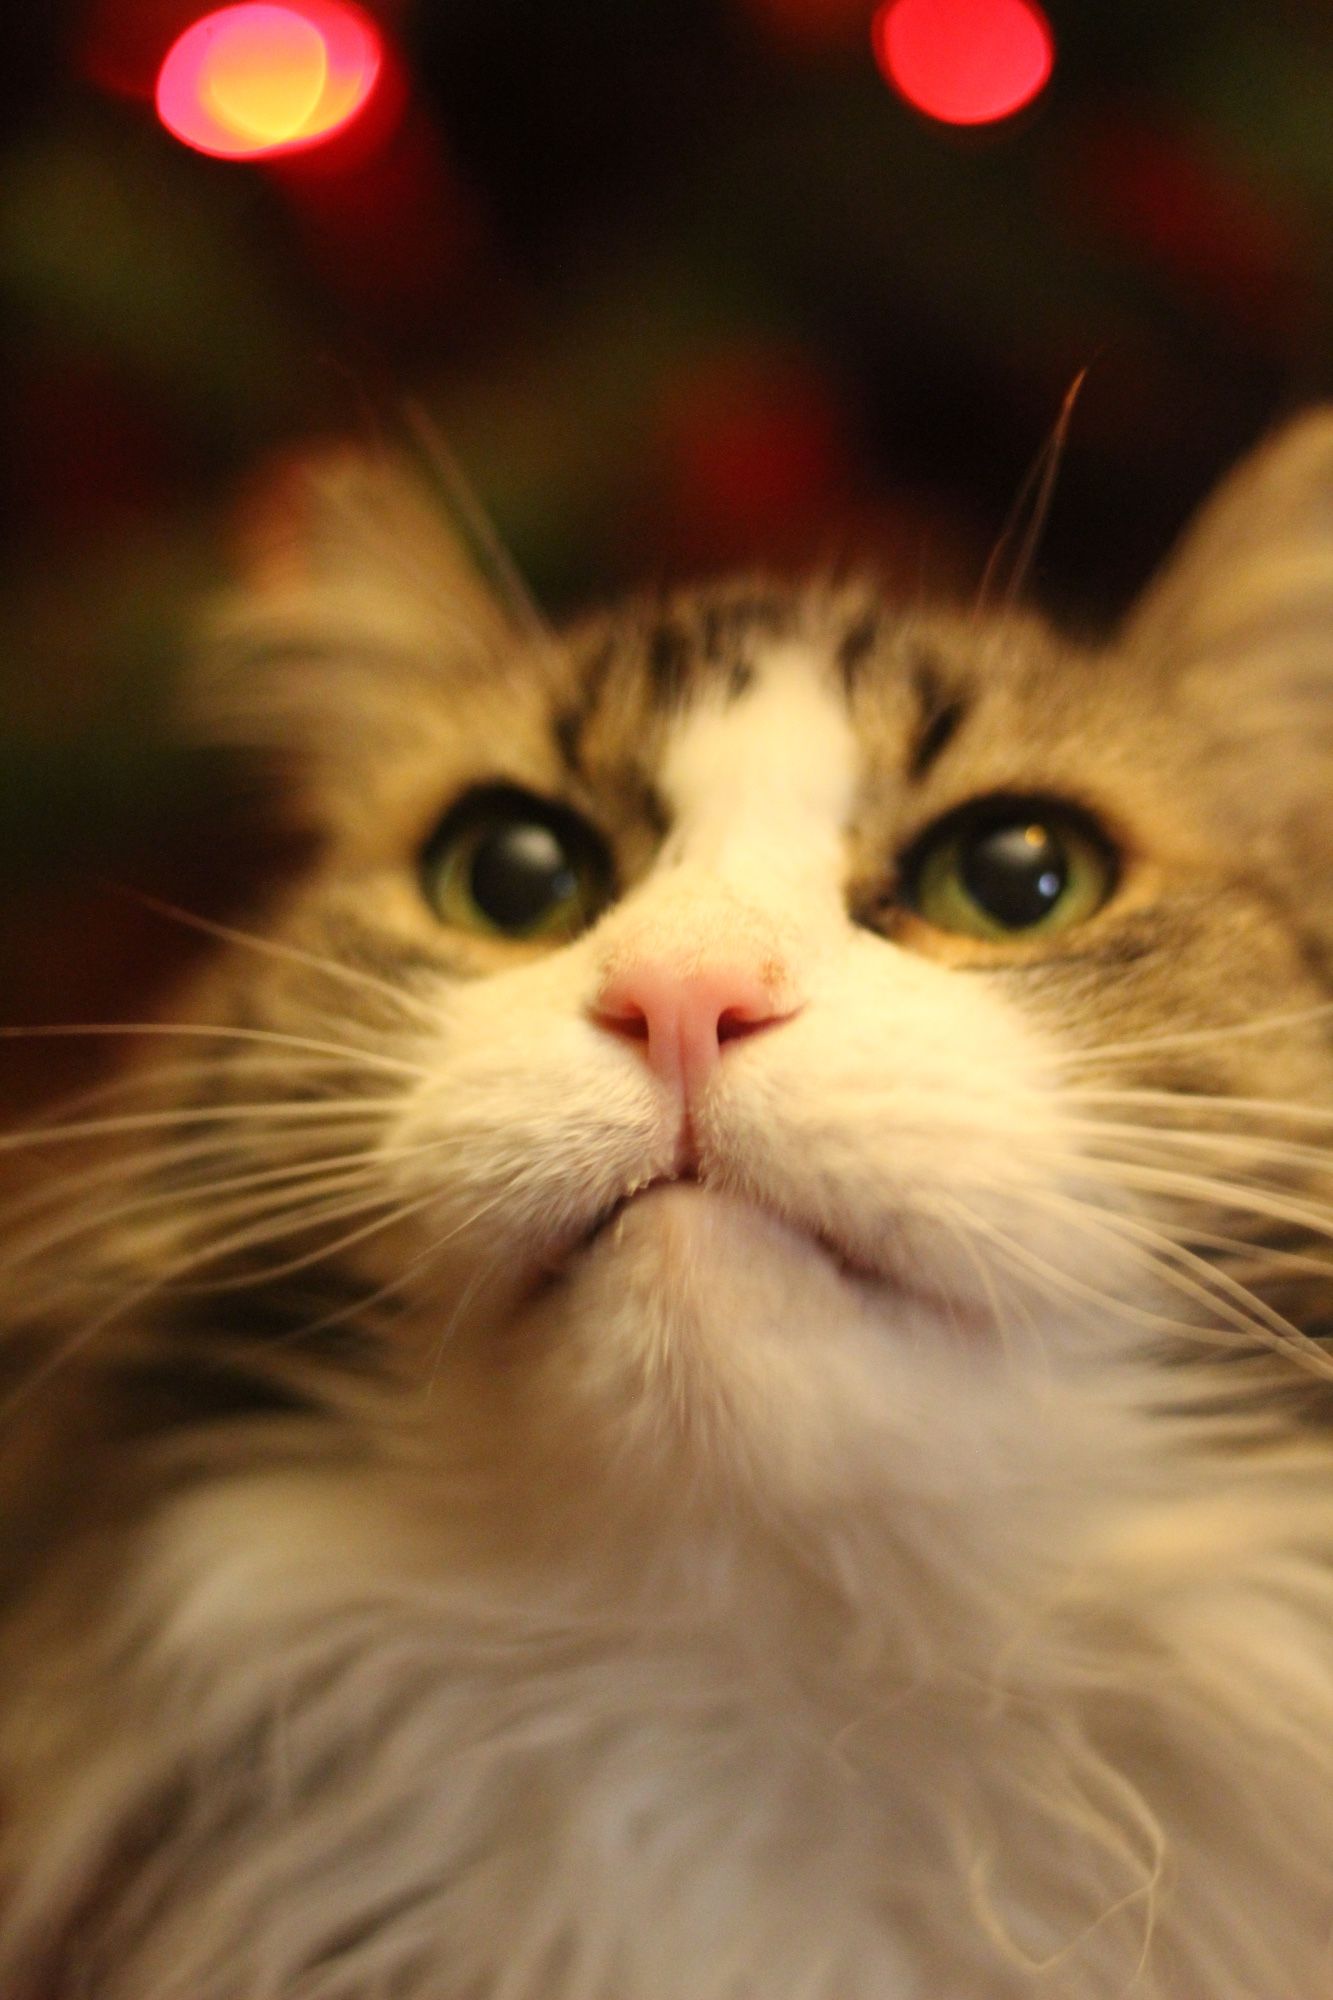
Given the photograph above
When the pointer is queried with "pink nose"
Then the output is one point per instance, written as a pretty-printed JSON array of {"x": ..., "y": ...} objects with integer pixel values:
[{"x": 683, "y": 1015}]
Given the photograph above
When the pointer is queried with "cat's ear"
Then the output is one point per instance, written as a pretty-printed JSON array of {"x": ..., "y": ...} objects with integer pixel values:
[
  {"x": 1249, "y": 590},
  {"x": 361, "y": 590},
  {"x": 1237, "y": 635},
  {"x": 385, "y": 534}
]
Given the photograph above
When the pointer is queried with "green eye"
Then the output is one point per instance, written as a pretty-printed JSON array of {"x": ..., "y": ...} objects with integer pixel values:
[
  {"x": 1010, "y": 868},
  {"x": 522, "y": 867}
]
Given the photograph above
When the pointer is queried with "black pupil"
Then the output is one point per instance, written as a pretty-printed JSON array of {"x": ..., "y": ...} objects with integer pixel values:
[
  {"x": 519, "y": 875},
  {"x": 1016, "y": 873}
]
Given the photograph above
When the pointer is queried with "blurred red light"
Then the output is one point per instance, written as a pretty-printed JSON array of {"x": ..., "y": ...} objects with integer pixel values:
[
  {"x": 965, "y": 62},
  {"x": 250, "y": 81}
]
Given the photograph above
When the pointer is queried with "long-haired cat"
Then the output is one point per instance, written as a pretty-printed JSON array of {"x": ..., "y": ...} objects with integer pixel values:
[{"x": 698, "y": 1374}]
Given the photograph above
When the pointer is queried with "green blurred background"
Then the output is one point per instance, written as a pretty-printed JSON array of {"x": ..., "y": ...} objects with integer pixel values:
[{"x": 685, "y": 284}]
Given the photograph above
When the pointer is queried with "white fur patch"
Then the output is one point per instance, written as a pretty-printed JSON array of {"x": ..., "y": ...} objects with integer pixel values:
[{"x": 761, "y": 786}]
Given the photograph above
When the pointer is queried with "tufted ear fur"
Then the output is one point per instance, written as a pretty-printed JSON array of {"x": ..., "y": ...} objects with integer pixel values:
[
  {"x": 1257, "y": 563},
  {"x": 1237, "y": 633},
  {"x": 380, "y": 527},
  {"x": 352, "y": 578}
]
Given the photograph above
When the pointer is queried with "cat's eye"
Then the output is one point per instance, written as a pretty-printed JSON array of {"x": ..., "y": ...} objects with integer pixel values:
[
  {"x": 519, "y": 866},
  {"x": 1006, "y": 868}
]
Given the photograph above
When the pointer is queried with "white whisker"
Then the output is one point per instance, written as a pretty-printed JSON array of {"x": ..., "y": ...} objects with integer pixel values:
[
  {"x": 239, "y": 1242},
  {"x": 1061, "y": 1283},
  {"x": 414, "y": 1265},
  {"x": 1208, "y": 1190},
  {"x": 407, "y": 1002},
  {"x": 307, "y": 1176},
  {"x": 1184, "y": 1102},
  {"x": 1189, "y": 1037},
  {"x": 229, "y": 1142},
  {"x": 986, "y": 1278},
  {"x": 1240, "y": 1145},
  {"x": 260, "y": 1113},
  {"x": 270, "y": 1037},
  {"x": 1240, "y": 1307}
]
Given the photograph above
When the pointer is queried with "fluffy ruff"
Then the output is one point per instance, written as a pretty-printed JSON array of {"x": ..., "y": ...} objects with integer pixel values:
[{"x": 994, "y": 1741}]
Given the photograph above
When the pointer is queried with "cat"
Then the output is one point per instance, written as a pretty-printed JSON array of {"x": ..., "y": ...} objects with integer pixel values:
[{"x": 699, "y": 1373}]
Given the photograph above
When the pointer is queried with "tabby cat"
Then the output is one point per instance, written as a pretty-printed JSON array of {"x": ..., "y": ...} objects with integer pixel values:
[{"x": 698, "y": 1373}]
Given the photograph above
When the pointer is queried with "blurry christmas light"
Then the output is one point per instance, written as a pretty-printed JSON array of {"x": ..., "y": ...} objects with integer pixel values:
[
  {"x": 253, "y": 80},
  {"x": 965, "y": 62}
]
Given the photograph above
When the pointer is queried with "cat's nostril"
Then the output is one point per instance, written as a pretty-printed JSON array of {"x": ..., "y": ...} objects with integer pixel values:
[
  {"x": 632, "y": 1022},
  {"x": 733, "y": 1022}
]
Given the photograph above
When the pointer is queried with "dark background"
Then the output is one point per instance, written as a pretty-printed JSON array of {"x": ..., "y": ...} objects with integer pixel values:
[{"x": 686, "y": 286}]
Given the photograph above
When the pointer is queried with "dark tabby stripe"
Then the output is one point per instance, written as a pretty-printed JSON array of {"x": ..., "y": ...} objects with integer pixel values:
[
  {"x": 855, "y": 647},
  {"x": 320, "y": 1316},
  {"x": 670, "y": 654},
  {"x": 941, "y": 714},
  {"x": 182, "y": 1391},
  {"x": 570, "y": 726}
]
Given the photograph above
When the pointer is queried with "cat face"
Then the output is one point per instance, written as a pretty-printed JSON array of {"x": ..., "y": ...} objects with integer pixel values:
[
  {"x": 820, "y": 1031},
  {"x": 702, "y": 1364}
]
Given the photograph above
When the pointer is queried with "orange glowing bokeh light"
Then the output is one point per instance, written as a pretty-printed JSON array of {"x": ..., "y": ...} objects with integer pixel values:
[
  {"x": 250, "y": 81},
  {"x": 964, "y": 62}
]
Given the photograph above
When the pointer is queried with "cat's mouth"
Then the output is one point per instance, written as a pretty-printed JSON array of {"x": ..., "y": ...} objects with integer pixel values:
[
  {"x": 883, "y": 1277},
  {"x": 570, "y": 1249}
]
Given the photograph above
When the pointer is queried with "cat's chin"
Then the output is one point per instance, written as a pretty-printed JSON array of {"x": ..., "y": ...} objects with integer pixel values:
[{"x": 697, "y": 1340}]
